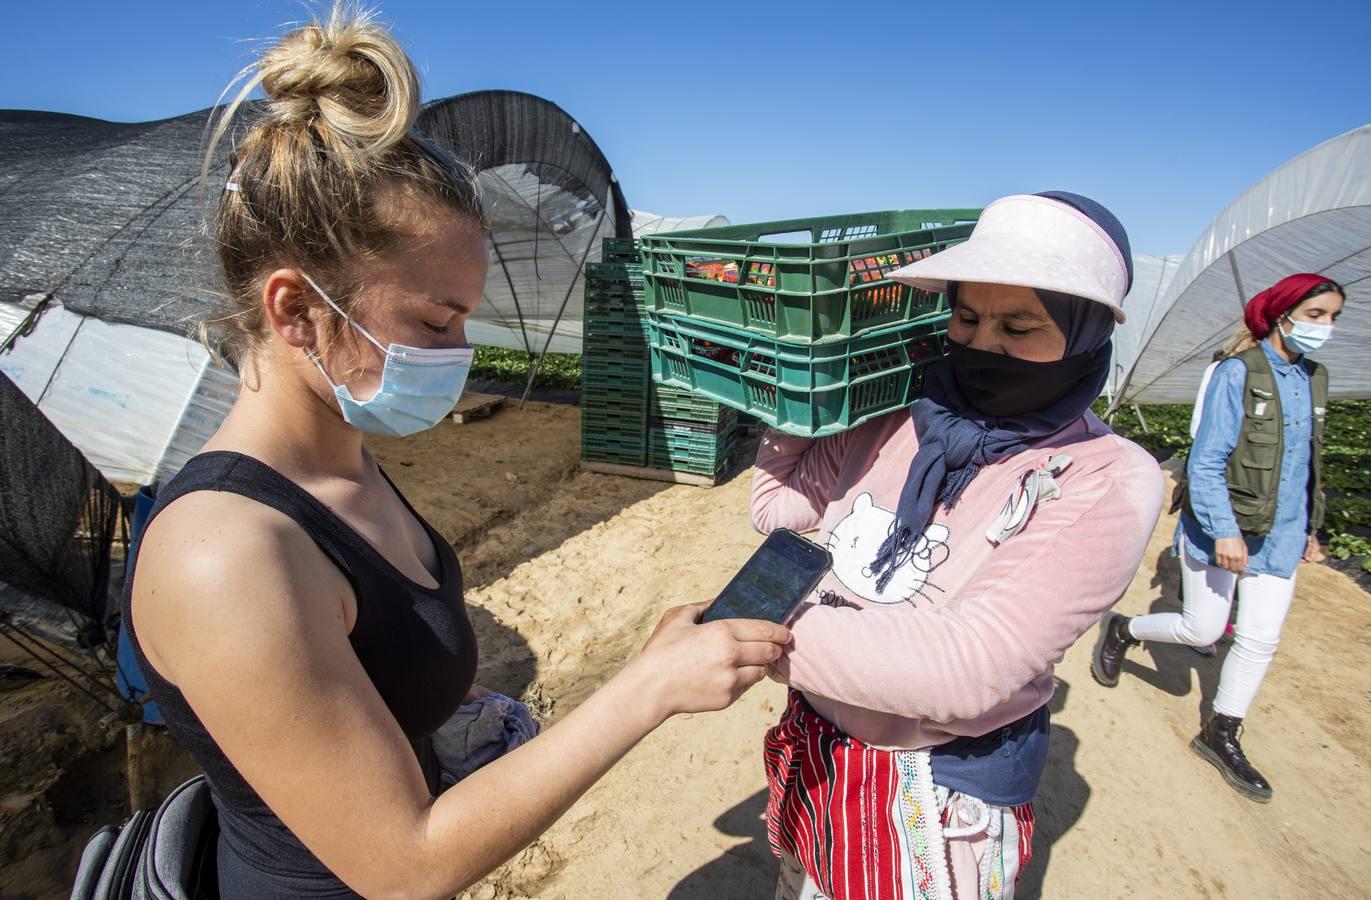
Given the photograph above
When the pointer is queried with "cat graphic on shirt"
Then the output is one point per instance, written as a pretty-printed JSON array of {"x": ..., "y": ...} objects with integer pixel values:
[{"x": 856, "y": 540}]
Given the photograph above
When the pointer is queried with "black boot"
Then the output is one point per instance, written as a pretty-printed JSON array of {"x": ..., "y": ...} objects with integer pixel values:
[
  {"x": 1218, "y": 743},
  {"x": 1109, "y": 650}
]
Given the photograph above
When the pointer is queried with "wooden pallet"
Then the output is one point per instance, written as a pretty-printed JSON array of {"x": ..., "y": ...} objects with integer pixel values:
[
  {"x": 603, "y": 468},
  {"x": 474, "y": 406}
]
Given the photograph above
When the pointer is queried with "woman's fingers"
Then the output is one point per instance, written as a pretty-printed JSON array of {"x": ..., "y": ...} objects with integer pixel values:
[
  {"x": 756, "y": 653},
  {"x": 758, "y": 630},
  {"x": 750, "y": 675},
  {"x": 689, "y": 667},
  {"x": 689, "y": 612}
]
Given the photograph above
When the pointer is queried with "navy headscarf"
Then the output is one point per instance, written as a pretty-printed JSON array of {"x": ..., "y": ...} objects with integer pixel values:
[{"x": 956, "y": 440}]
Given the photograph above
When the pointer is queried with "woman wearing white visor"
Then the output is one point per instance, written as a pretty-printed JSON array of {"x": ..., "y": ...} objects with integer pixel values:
[{"x": 976, "y": 537}]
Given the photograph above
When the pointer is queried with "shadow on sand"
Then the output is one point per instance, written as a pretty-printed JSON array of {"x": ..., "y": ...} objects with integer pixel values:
[{"x": 745, "y": 872}]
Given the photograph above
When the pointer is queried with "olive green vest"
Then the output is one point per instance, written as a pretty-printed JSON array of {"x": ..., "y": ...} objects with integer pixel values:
[{"x": 1254, "y": 466}]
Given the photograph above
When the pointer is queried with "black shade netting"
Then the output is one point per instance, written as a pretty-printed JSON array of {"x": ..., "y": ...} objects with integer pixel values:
[
  {"x": 110, "y": 218},
  {"x": 58, "y": 514},
  {"x": 491, "y": 129}
]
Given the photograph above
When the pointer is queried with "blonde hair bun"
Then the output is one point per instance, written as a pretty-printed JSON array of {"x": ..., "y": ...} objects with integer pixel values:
[
  {"x": 316, "y": 175},
  {"x": 346, "y": 78}
]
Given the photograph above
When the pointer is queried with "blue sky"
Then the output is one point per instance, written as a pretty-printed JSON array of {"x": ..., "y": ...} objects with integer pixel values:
[{"x": 1165, "y": 112}]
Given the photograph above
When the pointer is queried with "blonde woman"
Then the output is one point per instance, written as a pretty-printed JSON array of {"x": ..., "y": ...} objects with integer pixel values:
[
  {"x": 1253, "y": 504},
  {"x": 301, "y": 627}
]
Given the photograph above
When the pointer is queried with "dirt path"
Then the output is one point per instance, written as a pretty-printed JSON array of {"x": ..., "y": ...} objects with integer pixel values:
[{"x": 1126, "y": 809}]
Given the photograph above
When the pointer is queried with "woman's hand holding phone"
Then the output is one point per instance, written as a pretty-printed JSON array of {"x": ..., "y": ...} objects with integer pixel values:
[{"x": 689, "y": 667}]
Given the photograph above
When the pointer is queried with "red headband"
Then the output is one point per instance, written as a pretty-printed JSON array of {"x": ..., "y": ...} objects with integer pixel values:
[{"x": 1264, "y": 309}]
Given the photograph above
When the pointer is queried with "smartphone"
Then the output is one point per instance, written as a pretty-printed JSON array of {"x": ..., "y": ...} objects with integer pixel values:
[{"x": 783, "y": 571}]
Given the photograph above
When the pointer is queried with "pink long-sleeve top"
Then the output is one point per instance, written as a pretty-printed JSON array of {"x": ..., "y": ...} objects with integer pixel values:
[{"x": 964, "y": 638}]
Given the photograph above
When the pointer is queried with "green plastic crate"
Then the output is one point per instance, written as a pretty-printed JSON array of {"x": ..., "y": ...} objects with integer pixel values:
[
  {"x": 614, "y": 348},
  {"x": 613, "y": 439},
  {"x": 607, "y": 391},
  {"x": 679, "y": 403},
  {"x": 813, "y": 280},
  {"x": 602, "y": 328},
  {"x": 626, "y": 326},
  {"x": 715, "y": 470},
  {"x": 619, "y": 250},
  {"x": 619, "y": 309},
  {"x": 808, "y": 390},
  {"x": 621, "y": 457},
  {"x": 614, "y": 415},
  {"x": 597, "y": 288},
  {"x": 625, "y": 432},
  {"x": 631, "y": 273},
  {"x": 610, "y": 394},
  {"x": 618, "y": 369},
  {"x": 696, "y": 451},
  {"x": 596, "y": 369},
  {"x": 691, "y": 438},
  {"x": 725, "y": 424},
  {"x": 707, "y": 468}
]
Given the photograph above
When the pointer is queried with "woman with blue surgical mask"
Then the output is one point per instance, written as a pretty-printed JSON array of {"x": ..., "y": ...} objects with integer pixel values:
[
  {"x": 302, "y": 628},
  {"x": 1252, "y": 505}
]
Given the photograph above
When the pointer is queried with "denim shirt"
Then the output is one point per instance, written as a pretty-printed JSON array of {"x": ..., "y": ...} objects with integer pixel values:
[{"x": 1278, "y": 552}]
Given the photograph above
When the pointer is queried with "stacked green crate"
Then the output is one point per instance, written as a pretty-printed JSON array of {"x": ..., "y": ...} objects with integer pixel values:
[
  {"x": 615, "y": 366},
  {"x": 700, "y": 448},
  {"x": 689, "y": 433},
  {"x": 625, "y": 418},
  {"x": 798, "y": 323},
  {"x": 620, "y": 250}
]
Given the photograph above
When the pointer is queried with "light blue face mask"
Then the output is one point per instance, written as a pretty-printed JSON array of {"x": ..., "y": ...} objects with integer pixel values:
[
  {"x": 419, "y": 386},
  {"x": 1305, "y": 337}
]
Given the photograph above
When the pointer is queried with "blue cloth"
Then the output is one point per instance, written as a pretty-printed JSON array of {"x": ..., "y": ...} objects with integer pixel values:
[
  {"x": 479, "y": 733},
  {"x": 128, "y": 678},
  {"x": 956, "y": 440},
  {"x": 1279, "y": 552},
  {"x": 1086, "y": 324},
  {"x": 1003, "y": 767}
]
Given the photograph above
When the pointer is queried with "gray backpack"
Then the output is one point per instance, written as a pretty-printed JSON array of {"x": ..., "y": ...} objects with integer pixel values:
[{"x": 164, "y": 854}]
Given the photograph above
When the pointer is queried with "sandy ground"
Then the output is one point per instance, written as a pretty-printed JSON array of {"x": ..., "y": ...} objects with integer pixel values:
[
  {"x": 566, "y": 573},
  {"x": 1127, "y": 809}
]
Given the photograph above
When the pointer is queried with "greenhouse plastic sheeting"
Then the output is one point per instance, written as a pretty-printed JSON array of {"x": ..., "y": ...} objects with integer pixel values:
[
  {"x": 651, "y": 223},
  {"x": 1313, "y": 214},
  {"x": 135, "y": 401},
  {"x": 1151, "y": 276}
]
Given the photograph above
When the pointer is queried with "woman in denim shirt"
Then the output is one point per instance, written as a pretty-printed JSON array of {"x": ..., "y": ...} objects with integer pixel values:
[{"x": 1218, "y": 558}]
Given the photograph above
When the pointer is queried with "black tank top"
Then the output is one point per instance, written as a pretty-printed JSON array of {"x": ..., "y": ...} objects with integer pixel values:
[{"x": 415, "y": 644}]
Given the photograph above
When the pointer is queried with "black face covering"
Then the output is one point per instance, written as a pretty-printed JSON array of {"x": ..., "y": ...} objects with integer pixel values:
[{"x": 1001, "y": 385}]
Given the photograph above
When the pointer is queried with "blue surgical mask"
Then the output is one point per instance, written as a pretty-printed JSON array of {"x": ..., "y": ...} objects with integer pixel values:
[
  {"x": 1305, "y": 337},
  {"x": 419, "y": 386}
]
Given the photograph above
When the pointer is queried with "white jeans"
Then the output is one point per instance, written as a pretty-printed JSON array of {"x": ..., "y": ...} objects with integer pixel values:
[{"x": 1208, "y": 596}]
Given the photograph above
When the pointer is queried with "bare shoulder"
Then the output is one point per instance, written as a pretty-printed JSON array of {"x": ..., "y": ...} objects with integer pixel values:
[{"x": 216, "y": 564}]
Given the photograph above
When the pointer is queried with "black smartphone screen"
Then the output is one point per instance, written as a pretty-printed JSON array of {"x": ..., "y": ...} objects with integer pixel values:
[{"x": 783, "y": 571}]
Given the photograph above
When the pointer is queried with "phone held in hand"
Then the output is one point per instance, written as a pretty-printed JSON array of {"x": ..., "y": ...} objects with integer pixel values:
[{"x": 770, "y": 585}]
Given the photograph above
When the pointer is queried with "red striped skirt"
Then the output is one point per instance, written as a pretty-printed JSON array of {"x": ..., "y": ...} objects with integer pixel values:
[{"x": 859, "y": 820}]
